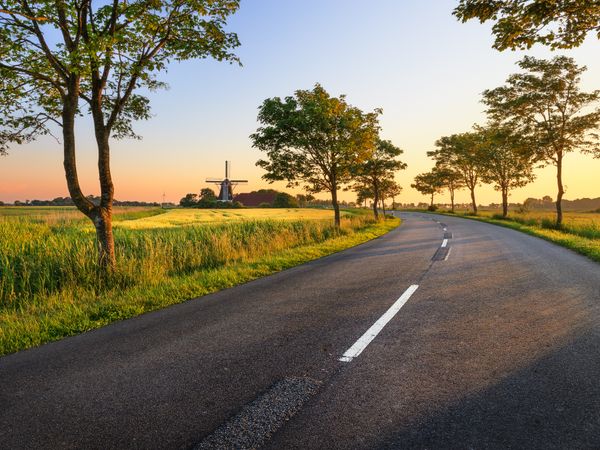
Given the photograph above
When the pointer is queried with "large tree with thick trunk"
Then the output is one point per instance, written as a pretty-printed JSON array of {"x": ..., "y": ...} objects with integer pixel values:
[
  {"x": 314, "y": 139},
  {"x": 63, "y": 59},
  {"x": 545, "y": 104}
]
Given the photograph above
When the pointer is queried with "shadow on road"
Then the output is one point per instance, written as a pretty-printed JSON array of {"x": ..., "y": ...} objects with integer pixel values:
[{"x": 552, "y": 403}]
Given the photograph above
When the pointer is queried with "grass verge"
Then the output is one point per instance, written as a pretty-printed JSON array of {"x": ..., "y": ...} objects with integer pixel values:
[{"x": 69, "y": 312}]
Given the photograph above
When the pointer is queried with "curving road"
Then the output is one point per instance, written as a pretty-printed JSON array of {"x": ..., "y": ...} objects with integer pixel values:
[{"x": 492, "y": 341}]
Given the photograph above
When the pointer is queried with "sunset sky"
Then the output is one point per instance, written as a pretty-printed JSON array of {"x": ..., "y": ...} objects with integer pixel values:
[{"x": 411, "y": 58}]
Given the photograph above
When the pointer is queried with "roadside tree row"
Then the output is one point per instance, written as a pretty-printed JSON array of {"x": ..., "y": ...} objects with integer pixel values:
[{"x": 538, "y": 116}]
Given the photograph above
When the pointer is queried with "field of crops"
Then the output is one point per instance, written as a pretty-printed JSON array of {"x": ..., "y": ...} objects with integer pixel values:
[
  {"x": 50, "y": 286},
  {"x": 70, "y": 214},
  {"x": 186, "y": 217}
]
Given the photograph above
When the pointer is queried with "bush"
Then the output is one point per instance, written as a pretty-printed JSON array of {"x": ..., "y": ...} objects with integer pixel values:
[
  {"x": 432, "y": 208},
  {"x": 285, "y": 200},
  {"x": 264, "y": 205}
]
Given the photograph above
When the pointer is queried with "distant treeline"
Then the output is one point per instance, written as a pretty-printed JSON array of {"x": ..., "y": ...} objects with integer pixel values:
[
  {"x": 67, "y": 201},
  {"x": 547, "y": 202}
]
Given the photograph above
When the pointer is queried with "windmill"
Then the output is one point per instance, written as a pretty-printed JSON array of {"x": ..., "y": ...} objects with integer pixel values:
[{"x": 226, "y": 192}]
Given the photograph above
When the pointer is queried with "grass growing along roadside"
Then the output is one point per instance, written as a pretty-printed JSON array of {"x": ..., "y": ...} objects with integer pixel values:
[{"x": 160, "y": 267}]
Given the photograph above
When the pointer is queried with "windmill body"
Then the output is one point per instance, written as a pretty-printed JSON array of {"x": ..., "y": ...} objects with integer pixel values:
[{"x": 226, "y": 185}]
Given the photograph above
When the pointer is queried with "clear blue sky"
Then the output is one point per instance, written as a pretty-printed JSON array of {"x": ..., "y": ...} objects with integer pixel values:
[{"x": 412, "y": 58}]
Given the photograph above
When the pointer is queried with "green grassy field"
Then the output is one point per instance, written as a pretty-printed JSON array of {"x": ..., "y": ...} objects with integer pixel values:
[{"x": 50, "y": 286}]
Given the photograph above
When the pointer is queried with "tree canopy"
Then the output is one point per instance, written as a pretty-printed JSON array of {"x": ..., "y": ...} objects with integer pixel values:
[
  {"x": 314, "y": 139},
  {"x": 518, "y": 24},
  {"x": 378, "y": 171},
  {"x": 462, "y": 154},
  {"x": 428, "y": 183},
  {"x": 507, "y": 160}
]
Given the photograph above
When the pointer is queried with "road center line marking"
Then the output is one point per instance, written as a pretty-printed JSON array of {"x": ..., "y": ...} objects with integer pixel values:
[
  {"x": 372, "y": 332},
  {"x": 444, "y": 243},
  {"x": 448, "y": 254}
]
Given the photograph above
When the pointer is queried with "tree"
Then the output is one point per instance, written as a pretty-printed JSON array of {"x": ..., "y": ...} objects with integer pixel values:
[
  {"x": 428, "y": 183},
  {"x": 56, "y": 55},
  {"x": 304, "y": 199},
  {"x": 545, "y": 104},
  {"x": 363, "y": 193},
  {"x": 451, "y": 180},
  {"x": 521, "y": 23},
  {"x": 508, "y": 161},
  {"x": 314, "y": 139},
  {"x": 189, "y": 200},
  {"x": 285, "y": 200},
  {"x": 207, "y": 194},
  {"x": 462, "y": 154},
  {"x": 391, "y": 188},
  {"x": 379, "y": 168}
]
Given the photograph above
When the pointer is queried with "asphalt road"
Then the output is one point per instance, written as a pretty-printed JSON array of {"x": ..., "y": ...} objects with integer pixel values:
[{"x": 498, "y": 347}]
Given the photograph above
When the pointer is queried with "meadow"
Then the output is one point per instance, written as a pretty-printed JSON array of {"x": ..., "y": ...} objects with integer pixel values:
[{"x": 50, "y": 286}]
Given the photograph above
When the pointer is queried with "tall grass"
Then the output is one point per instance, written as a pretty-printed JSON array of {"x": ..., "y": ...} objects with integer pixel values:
[
  {"x": 37, "y": 259},
  {"x": 585, "y": 225},
  {"x": 50, "y": 286}
]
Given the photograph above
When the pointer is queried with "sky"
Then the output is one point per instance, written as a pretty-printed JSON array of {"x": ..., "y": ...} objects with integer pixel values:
[{"x": 413, "y": 59}]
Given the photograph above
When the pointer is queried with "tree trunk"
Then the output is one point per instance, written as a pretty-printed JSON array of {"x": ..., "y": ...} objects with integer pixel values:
[
  {"x": 473, "y": 201},
  {"x": 383, "y": 206},
  {"x": 376, "y": 203},
  {"x": 505, "y": 202},
  {"x": 336, "y": 207},
  {"x": 452, "y": 199},
  {"x": 561, "y": 191},
  {"x": 70, "y": 162},
  {"x": 102, "y": 216},
  {"x": 431, "y": 204},
  {"x": 102, "y": 219}
]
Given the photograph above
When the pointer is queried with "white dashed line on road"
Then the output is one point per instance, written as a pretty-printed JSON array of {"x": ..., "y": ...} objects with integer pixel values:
[
  {"x": 372, "y": 332},
  {"x": 444, "y": 243}
]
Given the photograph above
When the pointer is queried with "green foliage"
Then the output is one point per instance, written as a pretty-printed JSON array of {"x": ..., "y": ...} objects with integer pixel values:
[
  {"x": 462, "y": 154},
  {"x": 507, "y": 158},
  {"x": 428, "y": 183},
  {"x": 374, "y": 177},
  {"x": 521, "y": 23},
  {"x": 207, "y": 194},
  {"x": 109, "y": 50},
  {"x": 544, "y": 103},
  {"x": 285, "y": 200},
  {"x": 190, "y": 200},
  {"x": 314, "y": 139}
]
